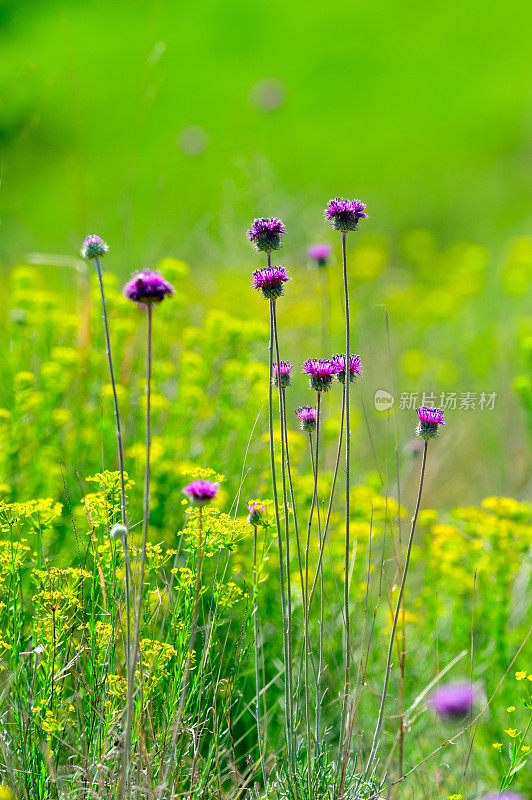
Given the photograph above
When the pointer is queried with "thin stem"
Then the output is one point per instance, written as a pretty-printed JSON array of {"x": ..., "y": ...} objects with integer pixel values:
[
  {"x": 347, "y": 384},
  {"x": 331, "y": 498},
  {"x": 284, "y": 447},
  {"x": 145, "y": 518},
  {"x": 292, "y": 496},
  {"x": 380, "y": 719},
  {"x": 315, "y": 467},
  {"x": 115, "y": 396},
  {"x": 256, "y": 647},
  {"x": 120, "y": 450},
  {"x": 278, "y": 528}
]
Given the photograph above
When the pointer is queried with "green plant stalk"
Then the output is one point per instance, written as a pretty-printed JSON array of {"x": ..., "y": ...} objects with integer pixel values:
[
  {"x": 380, "y": 718},
  {"x": 145, "y": 520},
  {"x": 315, "y": 468},
  {"x": 278, "y": 530},
  {"x": 284, "y": 448},
  {"x": 120, "y": 451},
  {"x": 292, "y": 495},
  {"x": 347, "y": 385},
  {"x": 256, "y": 648}
]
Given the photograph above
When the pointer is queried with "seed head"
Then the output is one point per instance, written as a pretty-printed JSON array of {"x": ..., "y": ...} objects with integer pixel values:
[
  {"x": 147, "y": 287},
  {"x": 355, "y": 367},
  {"x": 285, "y": 370},
  {"x": 118, "y": 531},
  {"x": 94, "y": 247},
  {"x": 265, "y": 233},
  {"x": 307, "y": 416},
  {"x": 200, "y": 492},
  {"x": 321, "y": 372},
  {"x": 269, "y": 281},
  {"x": 344, "y": 215},
  {"x": 429, "y": 419}
]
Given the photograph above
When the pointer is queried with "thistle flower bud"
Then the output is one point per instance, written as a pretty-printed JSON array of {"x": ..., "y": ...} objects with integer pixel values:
[
  {"x": 453, "y": 699},
  {"x": 256, "y": 514},
  {"x": 285, "y": 370},
  {"x": 200, "y": 492},
  {"x": 94, "y": 247},
  {"x": 429, "y": 419},
  {"x": 307, "y": 416},
  {"x": 118, "y": 531},
  {"x": 321, "y": 372},
  {"x": 265, "y": 234},
  {"x": 147, "y": 287},
  {"x": 269, "y": 281},
  {"x": 320, "y": 253},
  {"x": 344, "y": 215}
]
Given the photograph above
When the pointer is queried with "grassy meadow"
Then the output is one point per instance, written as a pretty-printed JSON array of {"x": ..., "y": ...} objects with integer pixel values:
[{"x": 185, "y": 656}]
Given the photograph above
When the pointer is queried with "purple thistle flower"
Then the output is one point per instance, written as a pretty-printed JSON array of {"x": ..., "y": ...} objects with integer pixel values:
[
  {"x": 94, "y": 246},
  {"x": 307, "y": 416},
  {"x": 200, "y": 492},
  {"x": 355, "y": 366},
  {"x": 147, "y": 287},
  {"x": 504, "y": 795},
  {"x": 265, "y": 233},
  {"x": 285, "y": 369},
  {"x": 453, "y": 699},
  {"x": 429, "y": 419},
  {"x": 320, "y": 253},
  {"x": 344, "y": 215},
  {"x": 270, "y": 281},
  {"x": 321, "y": 372},
  {"x": 255, "y": 516}
]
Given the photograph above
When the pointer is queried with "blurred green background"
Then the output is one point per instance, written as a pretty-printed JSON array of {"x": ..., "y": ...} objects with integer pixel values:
[{"x": 422, "y": 109}]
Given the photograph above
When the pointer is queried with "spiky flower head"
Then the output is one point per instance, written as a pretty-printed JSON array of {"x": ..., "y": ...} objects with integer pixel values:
[
  {"x": 307, "y": 416},
  {"x": 200, "y": 491},
  {"x": 453, "y": 699},
  {"x": 321, "y": 372},
  {"x": 429, "y": 419},
  {"x": 285, "y": 368},
  {"x": 269, "y": 281},
  {"x": 344, "y": 215},
  {"x": 265, "y": 233},
  {"x": 320, "y": 253},
  {"x": 256, "y": 514},
  {"x": 147, "y": 287},
  {"x": 355, "y": 367},
  {"x": 94, "y": 246}
]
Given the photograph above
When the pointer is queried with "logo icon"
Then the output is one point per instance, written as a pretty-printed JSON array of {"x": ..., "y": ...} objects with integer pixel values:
[{"x": 383, "y": 400}]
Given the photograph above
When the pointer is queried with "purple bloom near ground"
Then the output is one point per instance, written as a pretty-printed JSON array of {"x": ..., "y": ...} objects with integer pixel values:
[
  {"x": 321, "y": 372},
  {"x": 320, "y": 253},
  {"x": 265, "y": 233},
  {"x": 255, "y": 515},
  {"x": 269, "y": 281},
  {"x": 285, "y": 370},
  {"x": 344, "y": 215},
  {"x": 147, "y": 287},
  {"x": 505, "y": 795},
  {"x": 200, "y": 491},
  {"x": 429, "y": 419},
  {"x": 94, "y": 246},
  {"x": 355, "y": 366},
  {"x": 453, "y": 699},
  {"x": 307, "y": 416}
]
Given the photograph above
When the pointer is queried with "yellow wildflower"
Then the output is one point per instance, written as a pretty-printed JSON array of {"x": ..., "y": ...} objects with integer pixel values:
[
  {"x": 513, "y": 732},
  {"x": 497, "y": 745}
]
